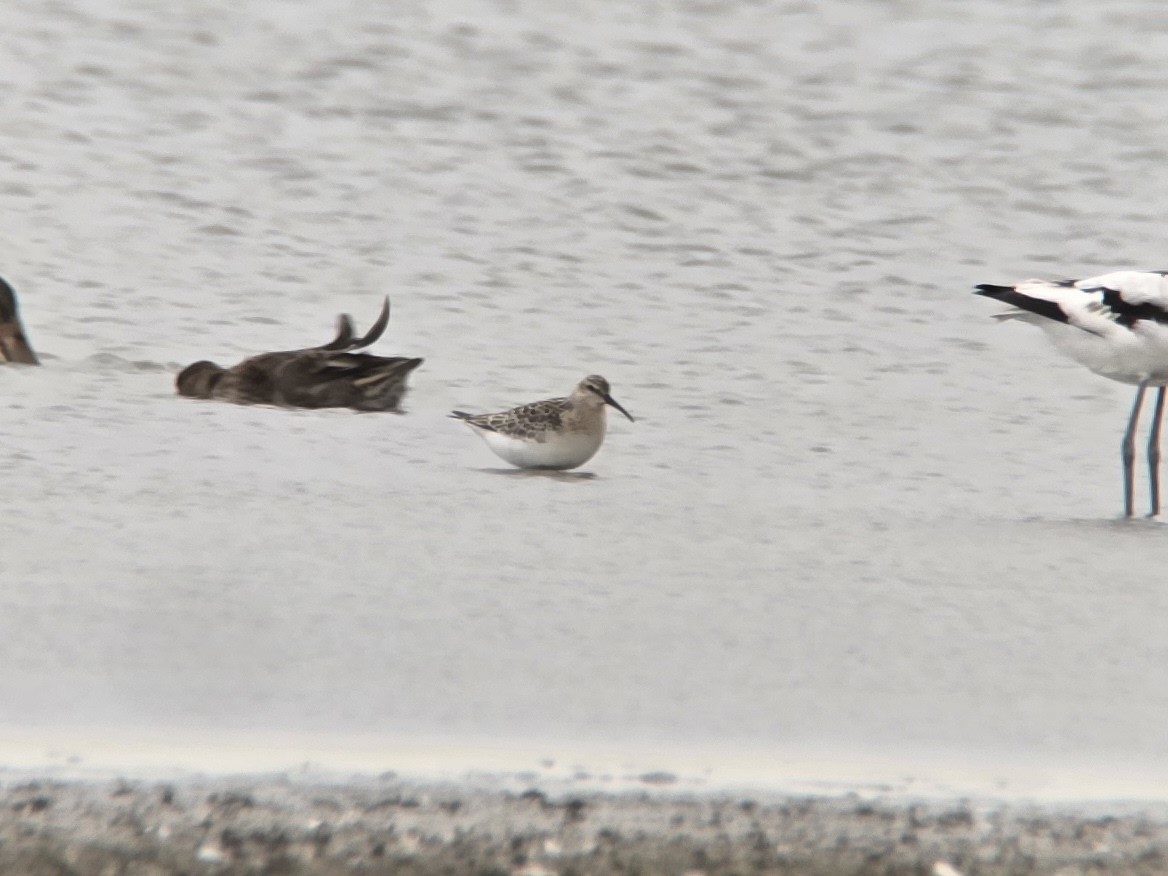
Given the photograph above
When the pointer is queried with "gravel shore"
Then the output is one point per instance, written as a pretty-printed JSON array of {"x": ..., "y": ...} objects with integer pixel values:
[{"x": 281, "y": 826}]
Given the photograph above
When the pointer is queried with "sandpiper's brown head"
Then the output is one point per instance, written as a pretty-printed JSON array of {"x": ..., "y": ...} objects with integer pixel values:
[
  {"x": 14, "y": 345},
  {"x": 595, "y": 387}
]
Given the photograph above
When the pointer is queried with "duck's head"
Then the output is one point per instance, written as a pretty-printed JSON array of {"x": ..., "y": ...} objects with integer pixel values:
[
  {"x": 595, "y": 386},
  {"x": 198, "y": 380},
  {"x": 14, "y": 345}
]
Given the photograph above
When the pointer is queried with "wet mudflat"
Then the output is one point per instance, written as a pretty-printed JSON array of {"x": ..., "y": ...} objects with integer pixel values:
[{"x": 382, "y": 827}]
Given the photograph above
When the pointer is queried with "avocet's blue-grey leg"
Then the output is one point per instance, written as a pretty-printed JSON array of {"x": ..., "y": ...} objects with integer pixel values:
[
  {"x": 1154, "y": 452},
  {"x": 1129, "y": 452}
]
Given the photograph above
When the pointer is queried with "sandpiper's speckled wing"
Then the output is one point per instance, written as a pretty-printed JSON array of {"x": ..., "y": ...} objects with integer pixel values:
[{"x": 525, "y": 421}]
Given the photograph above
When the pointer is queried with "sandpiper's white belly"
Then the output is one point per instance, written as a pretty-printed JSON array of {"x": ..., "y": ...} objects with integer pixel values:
[{"x": 558, "y": 449}]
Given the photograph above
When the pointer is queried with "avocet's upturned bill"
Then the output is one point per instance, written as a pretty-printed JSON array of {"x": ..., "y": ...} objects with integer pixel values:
[{"x": 1115, "y": 324}]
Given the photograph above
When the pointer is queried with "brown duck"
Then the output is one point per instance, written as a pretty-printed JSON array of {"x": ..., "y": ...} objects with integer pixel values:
[
  {"x": 14, "y": 345},
  {"x": 330, "y": 376}
]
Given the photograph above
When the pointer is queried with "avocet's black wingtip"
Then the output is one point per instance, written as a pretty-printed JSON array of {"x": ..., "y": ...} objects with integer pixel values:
[{"x": 1010, "y": 295}]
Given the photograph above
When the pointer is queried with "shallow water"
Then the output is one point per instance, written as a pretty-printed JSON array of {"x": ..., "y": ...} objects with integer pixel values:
[{"x": 854, "y": 515}]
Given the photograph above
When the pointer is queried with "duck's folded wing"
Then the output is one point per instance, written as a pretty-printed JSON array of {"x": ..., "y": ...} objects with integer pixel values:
[{"x": 344, "y": 380}]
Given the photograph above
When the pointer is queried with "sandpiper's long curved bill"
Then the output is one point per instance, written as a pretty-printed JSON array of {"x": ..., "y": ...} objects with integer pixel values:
[{"x": 608, "y": 399}]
